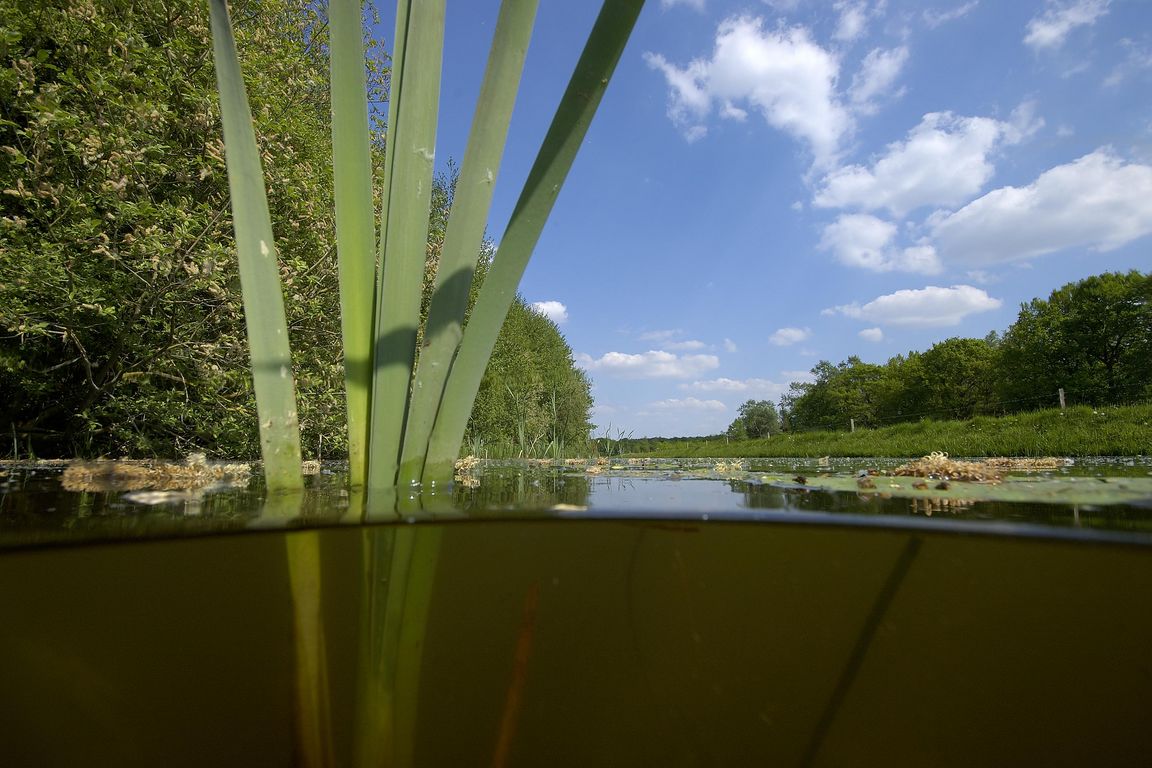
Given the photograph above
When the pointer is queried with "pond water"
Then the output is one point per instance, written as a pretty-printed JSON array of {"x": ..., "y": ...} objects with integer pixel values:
[
  {"x": 661, "y": 615},
  {"x": 1104, "y": 496}
]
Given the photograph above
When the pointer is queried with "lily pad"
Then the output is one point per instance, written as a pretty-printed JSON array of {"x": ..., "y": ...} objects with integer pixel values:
[{"x": 1056, "y": 490}]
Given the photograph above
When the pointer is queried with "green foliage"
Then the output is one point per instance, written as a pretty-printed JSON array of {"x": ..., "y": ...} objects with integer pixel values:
[
  {"x": 1077, "y": 431},
  {"x": 533, "y": 398},
  {"x": 121, "y": 321},
  {"x": 123, "y": 327},
  {"x": 758, "y": 418},
  {"x": 839, "y": 394},
  {"x": 1093, "y": 338}
]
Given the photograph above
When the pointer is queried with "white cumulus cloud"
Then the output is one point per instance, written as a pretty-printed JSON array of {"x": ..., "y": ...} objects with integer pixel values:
[
  {"x": 943, "y": 161},
  {"x": 877, "y": 73},
  {"x": 853, "y": 19},
  {"x": 1097, "y": 201},
  {"x": 931, "y": 306},
  {"x": 780, "y": 73},
  {"x": 761, "y": 387},
  {"x": 653, "y": 364},
  {"x": 863, "y": 240},
  {"x": 1051, "y": 28},
  {"x": 688, "y": 404},
  {"x": 784, "y": 337},
  {"x": 695, "y": 4},
  {"x": 872, "y": 334},
  {"x": 553, "y": 310}
]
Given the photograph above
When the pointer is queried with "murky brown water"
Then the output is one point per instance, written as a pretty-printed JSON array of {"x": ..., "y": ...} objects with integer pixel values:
[
  {"x": 472, "y": 630},
  {"x": 578, "y": 643}
]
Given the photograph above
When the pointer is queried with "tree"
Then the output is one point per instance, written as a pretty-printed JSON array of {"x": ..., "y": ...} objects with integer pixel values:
[
  {"x": 123, "y": 327},
  {"x": 958, "y": 377},
  {"x": 758, "y": 418},
  {"x": 837, "y": 396},
  {"x": 533, "y": 395},
  {"x": 1092, "y": 337}
]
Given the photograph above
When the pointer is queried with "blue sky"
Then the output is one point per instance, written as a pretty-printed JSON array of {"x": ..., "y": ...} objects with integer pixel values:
[{"x": 768, "y": 184}]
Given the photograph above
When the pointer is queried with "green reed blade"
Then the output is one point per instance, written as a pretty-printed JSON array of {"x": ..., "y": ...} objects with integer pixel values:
[
  {"x": 259, "y": 272},
  {"x": 586, "y": 88},
  {"x": 465, "y": 230},
  {"x": 412, "y": 142},
  {"x": 394, "y": 94},
  {"x": 355, "y": 228}
]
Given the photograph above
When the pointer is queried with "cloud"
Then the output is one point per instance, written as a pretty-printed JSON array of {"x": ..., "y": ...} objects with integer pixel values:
[
  {"x": 736, "y": 386},
  {"x": 943, "y": 162},
  {"x": 688, "y": 404},
  {"x": 663, "y": 338},
  {"x": 863, "y": 240},
  {"x": 1138, "y": 60},
  {"x": 742, "y": 388},
  {"x": 684, "y": 346},
  {"x": 781, "y": 73},
  {"x": 553, "y": 310},
  {"x": 871, "y": 334},
  {"x": 1051, "y": 28},
  {"x": 784, "y": 337},
  {"x": 783, "y": 6},
  {"x": 877, "y": 73},
  {"x": 931, "y": 306},
  {"x": 937, "y": 18},
  {"x": 1097, "y": 201},
  {"x": 694, "y": 4},
  {"x": 653, "y": 364},
  {"x": 660, "y": 335},
  {"x": 853, "y": 19},
  {"x": 730, "y": 346}
]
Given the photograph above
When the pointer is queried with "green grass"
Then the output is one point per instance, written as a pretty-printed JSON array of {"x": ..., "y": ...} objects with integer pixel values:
[{"x": 1077, "y": 431}]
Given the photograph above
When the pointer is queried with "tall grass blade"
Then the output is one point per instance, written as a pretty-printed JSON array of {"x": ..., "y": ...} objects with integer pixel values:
[
  {"x": 465, "y": 230},
  {"x": 586, "y": 88},
  {"x": 355, "y": 228},
  {"x": 411, "y": 145},
  {"x": 259, "y": 272}
]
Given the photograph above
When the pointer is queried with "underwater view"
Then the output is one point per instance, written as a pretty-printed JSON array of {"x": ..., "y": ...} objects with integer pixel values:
[{"x": 674, "y": 613}]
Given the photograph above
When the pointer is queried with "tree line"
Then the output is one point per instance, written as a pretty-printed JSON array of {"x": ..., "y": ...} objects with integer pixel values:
[
  {"x": 1091, "y": 338},
  {"x": 121, "y": 322}
]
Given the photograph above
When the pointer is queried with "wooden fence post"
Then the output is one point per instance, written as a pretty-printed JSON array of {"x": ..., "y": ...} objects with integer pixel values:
[{"x": 1061, "y": 393}]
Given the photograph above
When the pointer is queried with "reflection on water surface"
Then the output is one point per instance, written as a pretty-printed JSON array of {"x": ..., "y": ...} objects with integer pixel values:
[{"x": 1112, "y": 497}]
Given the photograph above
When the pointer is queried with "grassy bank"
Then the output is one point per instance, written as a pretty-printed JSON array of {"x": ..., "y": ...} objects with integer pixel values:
[{"x": 1078, "y": 431}]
